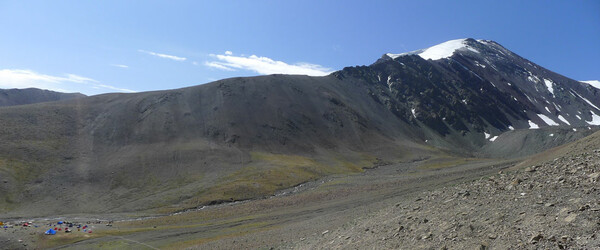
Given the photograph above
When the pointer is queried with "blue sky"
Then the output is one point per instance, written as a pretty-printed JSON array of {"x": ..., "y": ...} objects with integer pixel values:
[{"x": 122, "y": 46}]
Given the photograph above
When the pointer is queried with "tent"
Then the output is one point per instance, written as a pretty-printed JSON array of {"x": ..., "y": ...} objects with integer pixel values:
[
  {"x": 1, "y": 223},
  {"x": 60, "y": 222},
  {"x": 50, "y": 232}
]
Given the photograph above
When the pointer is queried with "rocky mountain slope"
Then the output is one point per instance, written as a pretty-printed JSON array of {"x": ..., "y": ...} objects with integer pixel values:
[
  {"x": 243, "y": 138},
  {"x": 478, "y": 86},
  {"x": 11, "y": 97},
  {"x": 549, "y": 205}
]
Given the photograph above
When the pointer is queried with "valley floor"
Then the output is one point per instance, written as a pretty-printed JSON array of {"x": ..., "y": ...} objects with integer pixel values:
[
  {"x": 290, "y": 219},
  {"x": 454, "y": 203}
]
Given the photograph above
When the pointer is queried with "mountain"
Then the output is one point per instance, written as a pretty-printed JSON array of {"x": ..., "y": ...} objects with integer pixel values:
[
  {"x": 11, "y": 97},
  {"x": 491, "y": 87},
  {"x": 243, "y": 138}
]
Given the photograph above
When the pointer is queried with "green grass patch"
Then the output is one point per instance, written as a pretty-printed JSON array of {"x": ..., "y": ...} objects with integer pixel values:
[
  {"x": 19, "y": 170},
  {"x": 51, "y": 241},
  {"x": 268, "y": 173},
  {"x": 235, "y": 231}
]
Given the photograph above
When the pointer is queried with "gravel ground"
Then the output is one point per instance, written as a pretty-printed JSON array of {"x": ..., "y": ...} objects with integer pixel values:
[{"x": 554, "y": 205}]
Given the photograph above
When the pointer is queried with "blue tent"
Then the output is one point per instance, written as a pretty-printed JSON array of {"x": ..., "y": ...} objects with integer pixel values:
[
  {"x": 60, "y": 222},
  {"x": 50, "y": 232}
]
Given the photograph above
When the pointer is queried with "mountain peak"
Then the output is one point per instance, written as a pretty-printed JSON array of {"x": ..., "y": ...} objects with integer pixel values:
[{"x": 442, "y": 50}]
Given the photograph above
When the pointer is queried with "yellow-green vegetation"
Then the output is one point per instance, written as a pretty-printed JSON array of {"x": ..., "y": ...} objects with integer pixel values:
[
  {"x": 18, "y": 173},
  {"x": 67, "y": 239},
  {"x": 269, "y": 172},
  {"x": 116, "y": 244},
  {"x": 19, "y": 170},
  {"x": 177, "y": 222},
  {"x": 45, "y": 241},
  {"x": 239, "y": 226},
  {"x": 234, "y": 231}
]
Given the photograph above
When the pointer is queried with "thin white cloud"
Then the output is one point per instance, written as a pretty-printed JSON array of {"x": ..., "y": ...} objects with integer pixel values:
[
  {"x": 176, "y": 58},
  {"x": 115, "y": 88},
  {"x": 120, "y": 66},
  {"x": 265, "y": 65},
  {"x": 79, "y": 79},
  {"x": 218, "y": 65},
  {"x": 24, "y": 78}
]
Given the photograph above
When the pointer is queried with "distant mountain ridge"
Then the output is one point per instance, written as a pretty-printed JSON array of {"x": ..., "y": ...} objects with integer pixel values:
[{"x": 12, "y": 97}]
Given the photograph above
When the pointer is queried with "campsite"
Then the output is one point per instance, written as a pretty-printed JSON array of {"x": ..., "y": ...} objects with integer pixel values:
[{"x": 30, "y": 233}]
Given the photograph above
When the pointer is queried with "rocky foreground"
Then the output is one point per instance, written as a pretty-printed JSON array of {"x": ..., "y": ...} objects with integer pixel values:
[{"x": 554, "y": 205}]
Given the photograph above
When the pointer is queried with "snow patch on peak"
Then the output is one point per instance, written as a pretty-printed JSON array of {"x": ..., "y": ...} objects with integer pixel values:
[
  {"x": 547, "y": 120},
  {"x": 394, "y": 56},
  {"x": 549, "y": 85},
  {"x": 593, "y": 83},
  {"x": 595, "y": 119},
  {"x": 532, "y": 125},
  {"x": 560, "y": 117},
  {"x": 586, "y": 100},
  {"x": 533, "y": 78},
  {"x": 472, "y": 49},
  {"x": 479, "y": 64},
  {"x": 442, "y": 50}
]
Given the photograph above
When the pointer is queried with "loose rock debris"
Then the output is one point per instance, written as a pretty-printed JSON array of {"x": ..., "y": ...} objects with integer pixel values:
[{"x": 555, "y": 205}]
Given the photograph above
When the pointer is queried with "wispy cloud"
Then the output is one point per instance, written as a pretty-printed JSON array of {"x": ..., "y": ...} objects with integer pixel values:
[
  {"x": 115, "y": 88},
  {"x": 264, "y": 65},
  {"x": 218, "y": 65},
  {"x": 24, "y": 78},
  {"x": 120, "y": 66},
  {"x": 176, "y": 58}
]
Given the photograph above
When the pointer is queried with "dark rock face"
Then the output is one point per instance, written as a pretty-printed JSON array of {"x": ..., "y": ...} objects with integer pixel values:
[
  {"x": 12, "y": 97},
  {"x": 480, "y": 87}
]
